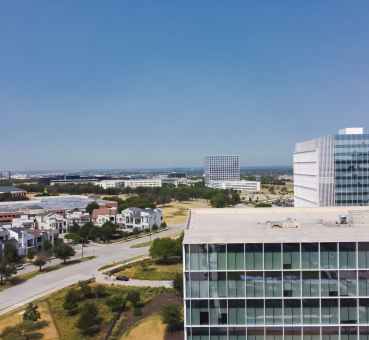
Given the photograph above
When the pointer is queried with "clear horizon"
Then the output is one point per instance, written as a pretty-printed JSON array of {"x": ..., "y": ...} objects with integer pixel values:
[{"x": 125, "y": 85}]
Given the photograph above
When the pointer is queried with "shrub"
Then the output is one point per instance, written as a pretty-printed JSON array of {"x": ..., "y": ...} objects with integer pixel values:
[
  {"x": 86, "y": 290},
  {"x": 134, "y": 297},
  {"x": 137, "y": 311},
  {"x": 89, "y": 321},
  {"x": 71, "y": 300},
  {"x": 100, "y": 291},
  {"x": 172, "y": 317},
  {"x": 117, "y": 303},
  {"x": 31, "y": 313}
]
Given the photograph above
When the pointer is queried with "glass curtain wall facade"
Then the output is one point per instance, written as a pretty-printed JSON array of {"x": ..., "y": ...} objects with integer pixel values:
[
  {"x": 293, "y": 291},
  {"x": 351, "y": 157}
]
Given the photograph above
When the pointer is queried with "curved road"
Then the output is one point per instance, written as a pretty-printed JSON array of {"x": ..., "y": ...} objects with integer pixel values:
[{"x": 46, "y": 283}]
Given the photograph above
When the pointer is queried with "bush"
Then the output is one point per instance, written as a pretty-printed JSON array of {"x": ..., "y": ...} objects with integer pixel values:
[
  {"x": 86, "y": 290},
  {"x": 178, "y": 283},
  {"x": 133, "y": 297},
  {"x": 71, "y": 300},
  {"x": 172, "y": 316},
  {"x": 31, "y": 313},
  {"x": 89, "y": 321},
  {"x": 137, "y": 311},
  {"x": 100, "y": 291},
  {"x": 117, "y": 303}
]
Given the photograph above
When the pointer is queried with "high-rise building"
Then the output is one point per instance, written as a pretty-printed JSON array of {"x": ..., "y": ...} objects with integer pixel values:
[
  {"x": 283, "y": 273},
  {"x": 332, "y": 170},
  {"x": 222, "y": 168}
]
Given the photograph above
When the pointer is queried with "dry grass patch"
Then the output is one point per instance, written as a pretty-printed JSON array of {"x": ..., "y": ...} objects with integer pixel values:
[
  {"x": 49, "y": 332},
  {"x": 177, "y": 212},
  {"x": 151, "y": 328}
]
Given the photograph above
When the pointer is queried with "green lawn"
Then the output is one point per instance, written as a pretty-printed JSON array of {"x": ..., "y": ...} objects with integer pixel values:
[{"x": 149, "y": 270}]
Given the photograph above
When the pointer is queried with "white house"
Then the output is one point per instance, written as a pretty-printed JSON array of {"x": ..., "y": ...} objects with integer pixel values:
[
  {"x": 52, "y": 221},
  {"x": 78, "y": 217},
  {"x": 30, "y": 239},
  {"x": 132, "y": 218},
  {"x": 24, "y": 221}
]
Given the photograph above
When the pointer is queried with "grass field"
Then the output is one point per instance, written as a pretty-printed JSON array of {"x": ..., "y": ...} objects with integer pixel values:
[
  {"x": 49, "y": 332},
  {"x": 150, "y": 328},
  {"x": 149, "y": 270},
  {"x": 177, "y": 212}
]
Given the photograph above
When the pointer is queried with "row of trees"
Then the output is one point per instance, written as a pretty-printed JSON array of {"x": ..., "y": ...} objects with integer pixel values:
[{"x": 145, "y": 197}]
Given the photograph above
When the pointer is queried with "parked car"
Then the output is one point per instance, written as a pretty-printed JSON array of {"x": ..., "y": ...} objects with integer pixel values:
[{"x": 122, "y": 278}]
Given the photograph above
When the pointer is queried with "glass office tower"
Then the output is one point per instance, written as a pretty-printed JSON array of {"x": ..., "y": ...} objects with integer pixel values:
[
  {"x": 351, "y": 159},
  {"x": 332, "y": 170},
  {"x": 294, "y": 290}
]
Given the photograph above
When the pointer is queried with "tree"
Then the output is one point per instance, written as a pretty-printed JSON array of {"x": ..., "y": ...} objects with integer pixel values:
[
  {"x": 117, "y": 303},
  {"x": 163, "y": 225},
  {"x": 133, "y": 297},
  {"x": 31, "y": 313},
  {"x": 31, "y": 254},
  {"x": 7, "y": 269},
  {"x": 71, "y": 301},
  {"x": 107, "y": 231},
  {"x": 64, "y": 252},
  {"x": 164, "y": 248},
  {"x": 91, "y": 207},
  {"x": 89, "y": 321},
  {"x": 47, "y": 246},
  {"x": 218, "y": 200},
  {"x": 40, "y": 261},
  {"x": 11, "y": 251},
  {"x": 154, "y": 227},
  {"x": 171, "y": 315},
  {"x": 178, "y": 283},
  {"x": 86, "y": 290}
]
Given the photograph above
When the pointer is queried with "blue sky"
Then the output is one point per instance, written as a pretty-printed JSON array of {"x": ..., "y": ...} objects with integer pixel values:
[{"x": 122, "y": 84}]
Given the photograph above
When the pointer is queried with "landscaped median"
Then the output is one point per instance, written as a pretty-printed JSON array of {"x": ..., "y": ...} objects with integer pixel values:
[
  {"x": 18, "y": 279},
  {"x": 91, "y": 311}
]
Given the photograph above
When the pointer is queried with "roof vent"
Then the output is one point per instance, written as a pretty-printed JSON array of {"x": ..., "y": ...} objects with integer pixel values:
[{"x": 288, "y": 223}]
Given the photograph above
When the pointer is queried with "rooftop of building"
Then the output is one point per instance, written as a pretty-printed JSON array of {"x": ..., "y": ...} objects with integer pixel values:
[{"x": 274, "y": 225}]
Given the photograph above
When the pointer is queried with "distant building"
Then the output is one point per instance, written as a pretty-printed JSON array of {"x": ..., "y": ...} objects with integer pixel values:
[
  {"x": 77, "y": 217},
  {"x": 110, "y": 183},
  {"x": 10, "y": 193},
  {"x": 222, "y": 168},
  {"x": 241, "y": 185},
  {"x": 143, "y": 183},
  {"x": 332, "y": 170},
  {"x": 142, "y": 219}
]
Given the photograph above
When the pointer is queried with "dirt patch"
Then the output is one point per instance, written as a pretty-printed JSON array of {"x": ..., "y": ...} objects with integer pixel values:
[{"x": 153, "y": 307}]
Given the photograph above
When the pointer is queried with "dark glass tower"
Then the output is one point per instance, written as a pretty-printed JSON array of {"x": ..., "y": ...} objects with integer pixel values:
[{"x": 351, "y": 157}]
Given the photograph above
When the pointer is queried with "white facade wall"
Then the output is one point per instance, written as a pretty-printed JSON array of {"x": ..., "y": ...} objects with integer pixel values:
[
  {"x": 143, "y": 183},
  {"x": 313, "y": 171},
  {"x": 242, "y": 185}
]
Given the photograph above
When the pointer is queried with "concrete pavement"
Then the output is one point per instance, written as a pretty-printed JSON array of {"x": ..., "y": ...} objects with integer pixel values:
[{"x": 47, "y": 283}]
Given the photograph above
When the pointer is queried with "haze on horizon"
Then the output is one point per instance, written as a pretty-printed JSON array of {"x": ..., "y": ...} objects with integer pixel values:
[{"x": 92, "y": 84}]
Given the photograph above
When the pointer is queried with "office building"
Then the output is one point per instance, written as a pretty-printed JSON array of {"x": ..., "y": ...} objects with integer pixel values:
[
  {"x": 241, "y": 185},
  {"x": 222, "y": 168},
  {"x": 283, "y": 273},
  {"x": 332, "y": 170}
]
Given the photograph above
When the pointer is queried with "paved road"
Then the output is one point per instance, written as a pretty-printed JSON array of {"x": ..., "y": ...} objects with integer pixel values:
[{"x": 46, "y": 283}]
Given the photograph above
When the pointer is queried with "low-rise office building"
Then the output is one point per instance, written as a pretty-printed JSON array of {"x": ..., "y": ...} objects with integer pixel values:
[
  {"x": 283, "y": 273},
  {"x": 241, "y": 185},
  {"x": 143, "y": 183},
  {"x": 10, "y": 193}
]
